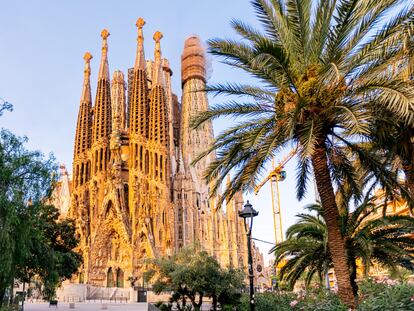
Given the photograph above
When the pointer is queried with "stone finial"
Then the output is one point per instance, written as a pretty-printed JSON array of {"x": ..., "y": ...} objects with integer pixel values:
[
  {"x": 157, "y": 36},
  {"x": 140, "y": 23},
  {"x": 87, "y": 57},
  {"x": 157, "y": 53},
  {"x": 103, "y": 67},
  {"x": 87, "y": 71},
  {"x": 105, "y": 34},
  {"x": 140, "y": 59}
]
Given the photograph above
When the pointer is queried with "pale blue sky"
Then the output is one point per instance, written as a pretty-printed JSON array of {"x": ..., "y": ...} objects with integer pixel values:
[{"x": 41, "y": 67}]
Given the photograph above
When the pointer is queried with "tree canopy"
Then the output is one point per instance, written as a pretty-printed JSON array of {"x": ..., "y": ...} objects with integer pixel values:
[
  {"x": 370, "y": 238},
  {"x": 192, "y": 275},
  {"x": 32, "y": 239}
]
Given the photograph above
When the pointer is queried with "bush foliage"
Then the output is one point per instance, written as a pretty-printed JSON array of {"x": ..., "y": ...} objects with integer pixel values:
[{"x": 374, "y": 296}]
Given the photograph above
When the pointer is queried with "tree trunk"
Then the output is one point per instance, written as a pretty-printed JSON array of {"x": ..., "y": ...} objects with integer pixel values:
[
  {"x": 2, "y": 293},
  {"x": 336, "y": 242},
  {"x": 11, "y": 291},
  {"x": 353, "y": 267},
  {"x": 200, "y": 302},
  {"x": 214, "y": 302}
]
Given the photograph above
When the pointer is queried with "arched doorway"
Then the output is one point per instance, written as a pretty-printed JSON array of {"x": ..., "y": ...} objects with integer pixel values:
[
  {"x": 110, "y": 278},
  {"x": 119, "y": 278}
]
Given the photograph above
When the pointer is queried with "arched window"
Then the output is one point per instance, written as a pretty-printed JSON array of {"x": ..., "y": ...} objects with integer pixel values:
[
  {"x": 146, "y": 162},
  {"x": 140, "y": 158},
  {"x": 180, "y": 214},
  {"x": 126, "y": 197},
  {"x": 161, "y": 167},
  {"x": 96, "y": 161},
  {"x": 180, "y": 233},
  {"x": 156, "y": 164},
  {"x": 100, "y": 159},
  {"x": 160, "y": 236},
  {"x": 88, "y": 170}
]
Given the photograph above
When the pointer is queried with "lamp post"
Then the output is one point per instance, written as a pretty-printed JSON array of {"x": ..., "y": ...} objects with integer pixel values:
[{"x": 247, "y": 214}]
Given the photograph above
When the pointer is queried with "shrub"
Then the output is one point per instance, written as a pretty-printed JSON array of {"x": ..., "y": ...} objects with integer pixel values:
[
  {"x": 386, "y": 295},
  {"x": 320, "y": 300},
  {"x": 269, "y": 302},
  {"x": 163, "y": 306}
]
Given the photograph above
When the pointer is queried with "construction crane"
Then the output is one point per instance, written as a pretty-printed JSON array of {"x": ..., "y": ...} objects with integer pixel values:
[{"x": 277, "y": 174}]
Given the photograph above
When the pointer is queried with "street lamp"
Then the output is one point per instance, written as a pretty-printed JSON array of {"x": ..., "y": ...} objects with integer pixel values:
[{"x": 247, "y": 214}]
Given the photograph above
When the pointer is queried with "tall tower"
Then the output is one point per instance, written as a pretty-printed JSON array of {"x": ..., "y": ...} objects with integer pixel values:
[
  {"x": 158, "y": 144},
  {"x": 139, "y": 157},
  {"x": 192, "y": 143},
  {"x": 139, "y": 109},
  {"x": 102, "y": 121},
  {"x": 79, "y": 208},
  {"x": 194, "y": 100},
  {"x": 83, "y": 128}
]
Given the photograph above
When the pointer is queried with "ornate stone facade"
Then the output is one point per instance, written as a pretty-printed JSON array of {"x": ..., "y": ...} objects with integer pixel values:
[{"x": 134, "y": 193}]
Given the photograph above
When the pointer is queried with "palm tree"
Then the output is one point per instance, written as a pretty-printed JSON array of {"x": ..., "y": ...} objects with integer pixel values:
[
  {"x": 304, "y": 252},
  {"x": 394, "y": 138},
  {"x": 320, "y": 68},
  {"x": 385, "y": 240}
]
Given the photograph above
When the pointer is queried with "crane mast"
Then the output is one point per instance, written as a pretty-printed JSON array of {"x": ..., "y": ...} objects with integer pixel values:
[{"x": 277, "y": 174}]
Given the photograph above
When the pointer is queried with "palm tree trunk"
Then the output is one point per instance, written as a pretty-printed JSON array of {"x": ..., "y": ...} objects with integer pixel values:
[
  {"x": 353, "y": 266},
  {"x": 336, "y": 242}
]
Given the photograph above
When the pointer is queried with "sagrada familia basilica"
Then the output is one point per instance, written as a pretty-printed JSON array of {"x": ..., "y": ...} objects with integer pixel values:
[{"x": 134, "y": 192}]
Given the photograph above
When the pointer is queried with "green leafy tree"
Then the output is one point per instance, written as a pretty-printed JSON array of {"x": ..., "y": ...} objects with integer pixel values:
[
  {"x": 32, "y": 239},
  {"x": 192, "y": 275},
  {"x": 52, "y": 258},
  {"x": 321, "y": 68},
  {"x": 25, "y": 176},
  {"x": 385, "y": 240}
]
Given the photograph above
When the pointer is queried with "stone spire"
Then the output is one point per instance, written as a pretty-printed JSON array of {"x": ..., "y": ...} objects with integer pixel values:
[
  {"x": 104, "y": 68},
  {"x": 83, "y": 129},
  {"x": 158, "y": 111},
  {"x": 140, "y": 58},
  {"x": 157, "y": 77},
  {"x": 102, "y": 110},
  {"x": 138, "y": 110}
]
